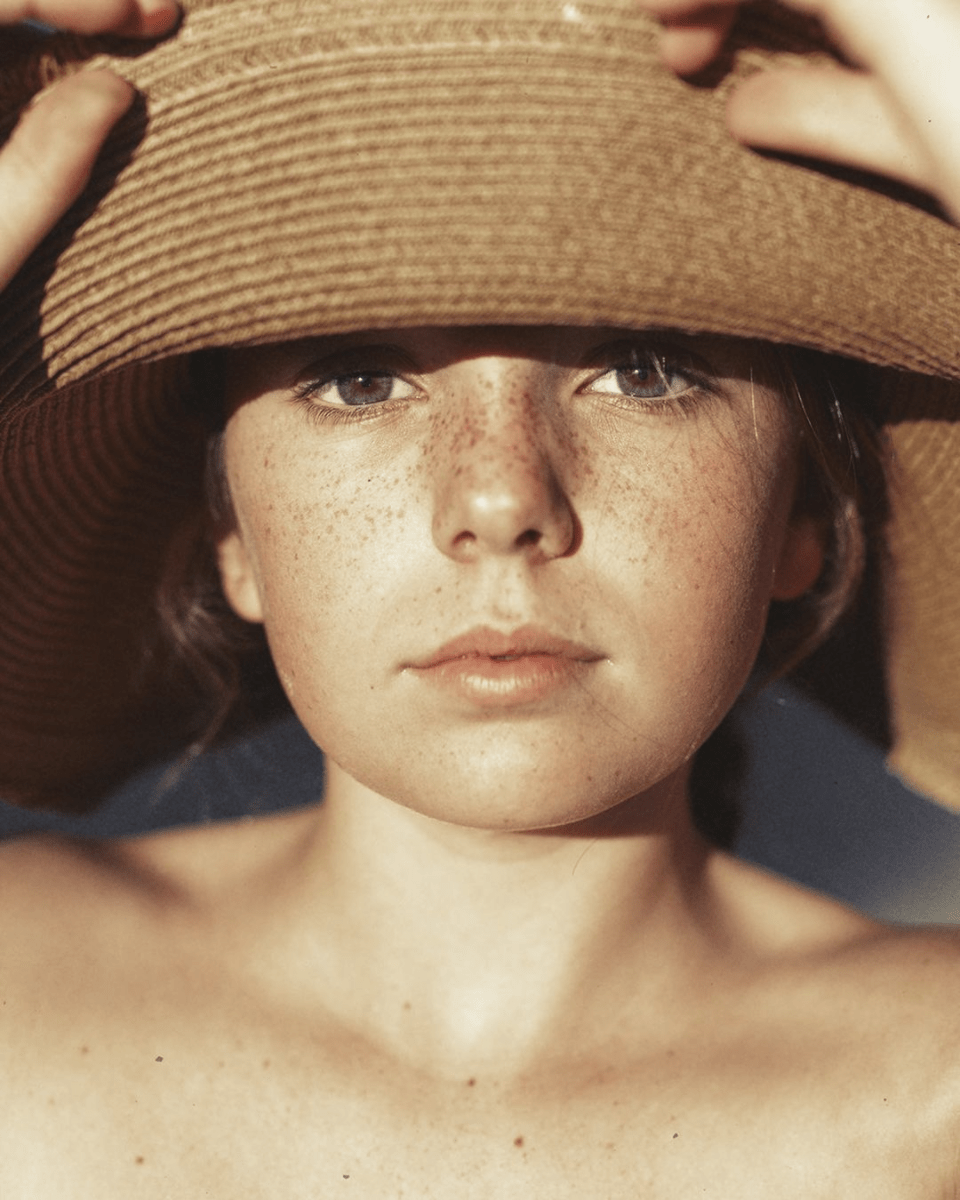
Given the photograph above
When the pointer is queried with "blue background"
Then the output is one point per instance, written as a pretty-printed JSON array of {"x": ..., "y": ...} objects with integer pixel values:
[{"x": 819, "y": 807}]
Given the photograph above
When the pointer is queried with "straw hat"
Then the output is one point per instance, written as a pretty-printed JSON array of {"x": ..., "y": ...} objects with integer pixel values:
[{"x": 297, "y": 167}]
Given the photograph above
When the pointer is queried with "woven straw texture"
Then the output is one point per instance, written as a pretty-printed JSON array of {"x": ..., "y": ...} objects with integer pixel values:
[{"x": 300, "y": 167}]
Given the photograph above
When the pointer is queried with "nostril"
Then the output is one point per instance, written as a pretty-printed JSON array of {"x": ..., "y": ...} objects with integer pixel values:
[{"x": 520, "y": 508}]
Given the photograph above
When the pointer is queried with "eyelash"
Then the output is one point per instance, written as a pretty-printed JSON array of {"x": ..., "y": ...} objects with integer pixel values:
[
  {"x": 307, "y": 395},
  {"x": 666, "y": 365}
]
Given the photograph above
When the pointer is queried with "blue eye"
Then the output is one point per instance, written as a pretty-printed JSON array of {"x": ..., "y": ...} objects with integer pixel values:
[
  {"x": 359, "y": 389},
  {"x": 647, "y": 376}
]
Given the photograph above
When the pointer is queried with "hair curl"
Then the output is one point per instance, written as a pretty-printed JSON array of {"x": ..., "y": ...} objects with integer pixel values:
[{"x": 841, "y": 485}]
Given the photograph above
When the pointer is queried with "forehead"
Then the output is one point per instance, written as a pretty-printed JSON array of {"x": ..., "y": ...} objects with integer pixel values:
[{"x": 434, "y": 347}]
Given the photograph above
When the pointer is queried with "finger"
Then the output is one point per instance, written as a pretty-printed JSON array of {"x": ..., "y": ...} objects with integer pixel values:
[
  {"x": 47, "y": 161},
  {"x": 133, "y": 18},
  {"x": 829, "y": 113},
  {"x": 684, "y": 10},
  {"x": 690, "y": 44}
]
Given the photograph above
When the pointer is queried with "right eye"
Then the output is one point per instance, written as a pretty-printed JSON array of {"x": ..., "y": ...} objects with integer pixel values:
[{"x": 358, "y": 389}]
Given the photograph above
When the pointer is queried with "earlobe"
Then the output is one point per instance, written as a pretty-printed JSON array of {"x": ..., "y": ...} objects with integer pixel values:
[
  {"x": 238, "y": 578},
  {"x": 801, "y": 560}
]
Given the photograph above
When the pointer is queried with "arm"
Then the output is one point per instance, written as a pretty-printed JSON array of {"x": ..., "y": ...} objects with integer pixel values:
[
  {"x": 46, "y": 163},
  {"x": 895, "y": 111}
]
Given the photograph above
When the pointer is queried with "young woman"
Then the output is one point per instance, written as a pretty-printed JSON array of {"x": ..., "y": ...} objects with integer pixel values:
[{"x": 513, "y": 505}]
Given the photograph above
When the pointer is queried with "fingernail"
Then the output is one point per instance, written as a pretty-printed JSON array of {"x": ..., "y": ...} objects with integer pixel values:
[
  {"x": 97, "y": 82},
  {"x": 158, "y": 16}
]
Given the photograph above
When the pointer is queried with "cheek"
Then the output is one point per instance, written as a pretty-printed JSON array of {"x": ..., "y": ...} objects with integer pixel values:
[
  {"x": 323, "y": 540},
  {"x": 703, "y": 503},
  {"x": 693, "y": 540}
]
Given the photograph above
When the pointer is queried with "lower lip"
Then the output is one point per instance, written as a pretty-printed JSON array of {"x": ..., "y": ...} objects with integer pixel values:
[{"x": 504, "y": 683}]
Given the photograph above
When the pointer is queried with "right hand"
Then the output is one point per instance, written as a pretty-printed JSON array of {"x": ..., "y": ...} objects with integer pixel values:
[
  {"x": 47, "y": 161},
  {"x": 895, "y": 111}
]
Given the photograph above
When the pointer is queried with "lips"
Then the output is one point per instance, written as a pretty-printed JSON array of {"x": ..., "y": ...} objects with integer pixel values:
[
  {"x": 522, "y": 643},
  {"x": 488, "y": 669}
]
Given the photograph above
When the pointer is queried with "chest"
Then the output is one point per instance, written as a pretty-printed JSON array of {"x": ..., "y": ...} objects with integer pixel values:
[{"x": 249, "y": 1110}]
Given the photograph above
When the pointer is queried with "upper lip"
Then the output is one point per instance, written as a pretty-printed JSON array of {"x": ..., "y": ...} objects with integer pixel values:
[{"x": 485, "y": 642}]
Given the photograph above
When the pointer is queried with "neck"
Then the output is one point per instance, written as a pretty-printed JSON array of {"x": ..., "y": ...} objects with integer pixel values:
[{"x": 465, "y": 946}]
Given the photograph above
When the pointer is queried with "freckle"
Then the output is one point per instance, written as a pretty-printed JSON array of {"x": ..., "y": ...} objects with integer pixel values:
[
  {"x": 139, "y": 1160},
  {"x": 266, "y": 1063},
  {"x": 84, "y": 1049},
  {"x": 407, "y": 1006},
  {"x": 518, "y": 1141}
]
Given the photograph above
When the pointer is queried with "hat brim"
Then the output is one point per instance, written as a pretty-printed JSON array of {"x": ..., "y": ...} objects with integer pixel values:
[{"x": 514, "y": 163}]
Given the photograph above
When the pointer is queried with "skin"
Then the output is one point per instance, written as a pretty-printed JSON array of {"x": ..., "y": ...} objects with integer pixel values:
[
  {"x": 513, "y": 487},
  {"x": 429, "y": 990},
  {"x": 45, "y": 164},
  {"x": 513, "y": 970}
]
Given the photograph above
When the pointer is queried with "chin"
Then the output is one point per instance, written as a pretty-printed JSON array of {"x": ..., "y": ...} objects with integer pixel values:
[{"x": 506, "y": 798}]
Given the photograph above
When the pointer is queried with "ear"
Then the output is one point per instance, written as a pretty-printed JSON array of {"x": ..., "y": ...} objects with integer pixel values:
[
  {"x": 801, "y": 560},
  {"x": 238, "y": 577}
]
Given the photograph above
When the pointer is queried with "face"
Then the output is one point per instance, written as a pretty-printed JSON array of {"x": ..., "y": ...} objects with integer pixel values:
[{"x": 510, "y": 578}]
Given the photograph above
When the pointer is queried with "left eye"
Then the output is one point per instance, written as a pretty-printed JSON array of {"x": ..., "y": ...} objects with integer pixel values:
[
  {"x": 360, "y": 388},
  {"x": 645, "y": 376}
]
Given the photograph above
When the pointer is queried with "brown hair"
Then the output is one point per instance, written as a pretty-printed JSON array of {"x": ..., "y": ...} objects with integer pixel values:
[
  {"x": 840, "y": 484},
  {"x": 225, "y": 659}
]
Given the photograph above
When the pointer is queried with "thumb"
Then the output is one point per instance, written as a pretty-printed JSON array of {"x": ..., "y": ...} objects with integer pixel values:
[
  {"x": 831, "y": 113},
  {"x": 47, "y": 161}
]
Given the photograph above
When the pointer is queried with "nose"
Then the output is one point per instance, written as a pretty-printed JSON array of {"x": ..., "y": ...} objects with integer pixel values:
[{"x": 497, "y": 490}]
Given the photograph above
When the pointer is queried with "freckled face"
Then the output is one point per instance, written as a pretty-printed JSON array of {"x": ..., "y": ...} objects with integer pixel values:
[{"x": 510, "y": 578}]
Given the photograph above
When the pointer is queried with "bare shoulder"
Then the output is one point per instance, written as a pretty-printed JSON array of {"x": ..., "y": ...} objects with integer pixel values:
[
  {"x": 790, "y": 926},
  {"x": 58, "y": 894},
  {"x": 886, "y": 993},
  {"x": 38, "y": 869},
  {"x": 856, "y": 1025}
]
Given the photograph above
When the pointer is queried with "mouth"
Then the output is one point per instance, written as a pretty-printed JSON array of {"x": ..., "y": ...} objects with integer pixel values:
[
  {"x": 523, "y": 643},
  {"x": 489, "y": 669}
]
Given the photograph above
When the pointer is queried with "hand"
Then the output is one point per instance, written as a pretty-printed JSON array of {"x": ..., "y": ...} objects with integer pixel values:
[
  {"x": 895, "y": 111},
  {"x": 46, "y": 163}
]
